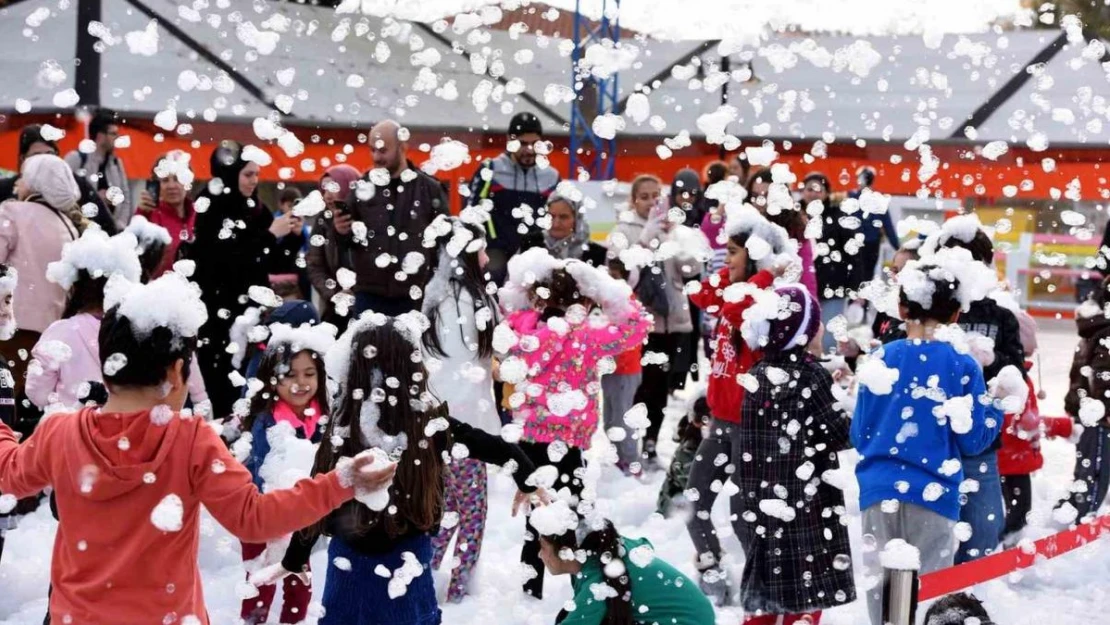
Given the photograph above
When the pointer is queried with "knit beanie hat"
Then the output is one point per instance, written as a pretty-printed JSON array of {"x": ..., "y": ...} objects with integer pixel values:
[
  {"x": 49, "y": 176},
  {"x": 795, "y": 324}
]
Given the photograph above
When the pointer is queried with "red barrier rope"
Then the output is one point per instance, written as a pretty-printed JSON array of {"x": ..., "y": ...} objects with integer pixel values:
[{"x": 939, "y": 583}]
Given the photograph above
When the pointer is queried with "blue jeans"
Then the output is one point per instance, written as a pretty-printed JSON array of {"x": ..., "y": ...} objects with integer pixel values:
[
  {"x": 361, "y": 597},
  {"x": 984, "y": 510},
  {"x": 389, "y": 306}
]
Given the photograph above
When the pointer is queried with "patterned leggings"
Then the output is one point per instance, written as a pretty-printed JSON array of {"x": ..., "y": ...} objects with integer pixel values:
[{"x": 465, "y": 494}]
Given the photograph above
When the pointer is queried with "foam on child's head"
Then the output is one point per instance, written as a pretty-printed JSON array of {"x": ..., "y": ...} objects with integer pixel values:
[
  {"x": 317, "y": 338},
  {"x": 170, "y": 302},
  {"x": 97, "y": 254},
  {"x": 148, "y": 234},
  {"x": 9, "y": 279},
  {"x": 973, "y": 281},
  {"x": 766, "y": 242}
]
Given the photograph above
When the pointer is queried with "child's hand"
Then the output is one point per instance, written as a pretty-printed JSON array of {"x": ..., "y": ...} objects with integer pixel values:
[
  {"x": 371, "y": 480},
  {"x": 527, "y": 501},
  {"x": 274, "y": 573}
]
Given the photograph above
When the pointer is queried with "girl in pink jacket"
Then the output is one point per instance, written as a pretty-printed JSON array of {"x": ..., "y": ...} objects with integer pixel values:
[
  {"x": 565, "y": 318},
  {"x": 65, "y": 368}
]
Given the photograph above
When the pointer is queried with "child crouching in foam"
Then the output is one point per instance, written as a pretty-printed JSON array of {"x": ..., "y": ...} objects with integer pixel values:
[
  {"x": 922, "y": 407},
  {"x": 142, "y": 463}
]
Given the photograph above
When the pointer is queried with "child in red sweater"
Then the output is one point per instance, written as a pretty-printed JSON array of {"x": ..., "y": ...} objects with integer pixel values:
[
  {"x": 141, "y": 463},
  {"x": 758, "y": 251}
]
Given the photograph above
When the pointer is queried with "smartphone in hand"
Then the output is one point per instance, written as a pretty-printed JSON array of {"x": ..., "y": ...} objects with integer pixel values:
[{"x": 154, "y": 189}]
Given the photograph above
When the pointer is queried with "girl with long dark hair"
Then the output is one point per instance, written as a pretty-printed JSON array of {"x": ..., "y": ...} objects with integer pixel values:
[
  {"x": 385, "y": 405},
  {"x": 617, "y": 580},
  {"x": 458, "y": 348},
  {"x": 290, "y": 399}
]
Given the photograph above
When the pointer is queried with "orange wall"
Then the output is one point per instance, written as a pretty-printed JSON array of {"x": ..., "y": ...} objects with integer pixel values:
[{"x": 957, "y": 177}]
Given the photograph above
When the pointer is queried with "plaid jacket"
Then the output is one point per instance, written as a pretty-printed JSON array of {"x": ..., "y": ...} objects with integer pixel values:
[{"x": 792, "y": 524}]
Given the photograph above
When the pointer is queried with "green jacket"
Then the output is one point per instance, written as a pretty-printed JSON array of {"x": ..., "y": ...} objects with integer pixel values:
[{"x": 660, "y": 594}]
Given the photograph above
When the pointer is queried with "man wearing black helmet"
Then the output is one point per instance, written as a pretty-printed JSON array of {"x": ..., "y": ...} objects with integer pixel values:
[{"x": 514, "y": 189}]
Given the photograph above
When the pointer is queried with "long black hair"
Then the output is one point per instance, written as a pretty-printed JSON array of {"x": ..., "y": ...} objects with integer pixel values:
[
  {"x": 86, "y": 294},
  {"x": 276, "y": 363},
  {"x": 464, "y": 274},
  {"x": 605, "y": 545},
  {"x": 379, "y": 353}
]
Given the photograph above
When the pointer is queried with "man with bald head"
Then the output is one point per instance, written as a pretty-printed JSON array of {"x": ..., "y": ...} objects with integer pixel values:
[{"x": 381, "y": 226}]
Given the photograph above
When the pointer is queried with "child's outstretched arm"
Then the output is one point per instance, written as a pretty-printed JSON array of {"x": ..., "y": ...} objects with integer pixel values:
[
  {"x": 232, "y": 498},
  {"x": 25, "y": 469},
  {"x": 494, "y": 450}
]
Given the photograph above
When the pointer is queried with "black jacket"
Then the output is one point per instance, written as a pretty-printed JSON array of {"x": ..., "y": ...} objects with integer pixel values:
[
  {"x": 791, "y": 433},
  {"x": 839, "y": 273},
  {"x": 994, "y": 321},
  {"x": 375, "y": 540},
  {"x": 395, "y": 219}
]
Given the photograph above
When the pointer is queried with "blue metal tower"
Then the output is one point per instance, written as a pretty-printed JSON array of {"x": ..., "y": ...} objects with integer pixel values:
[{"x": 593, "y": 96}]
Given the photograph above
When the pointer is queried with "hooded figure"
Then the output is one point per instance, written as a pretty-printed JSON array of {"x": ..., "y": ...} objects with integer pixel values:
[
  {"x": 229, "y": 260},
  {"x": 686, "y": 193},
  {"x": 576, "y": 244}
]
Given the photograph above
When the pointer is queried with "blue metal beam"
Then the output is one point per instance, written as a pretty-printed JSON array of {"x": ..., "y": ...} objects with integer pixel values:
[{"x": 588, "y": 152}]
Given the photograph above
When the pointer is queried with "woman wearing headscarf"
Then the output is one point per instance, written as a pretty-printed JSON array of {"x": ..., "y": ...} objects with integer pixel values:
[
  {"x": 33, "y": 228},
  {"x": 568, "y": 233},
  {"x": 329, "y": 256},
  {"x": 233, "y": 239}
]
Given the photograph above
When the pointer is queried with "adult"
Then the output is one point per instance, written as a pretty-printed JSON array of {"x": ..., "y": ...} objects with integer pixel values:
[
  {"x": 103, "y": 169},
  {"x": 568, "y": 234},
  {"x": 512, "y": 180},
  {"x": 234, "y": 237},
  {"x": 874, "y": 228},
  {"x": 715, "y": 172},
  {"x": 287, "y": 274},
  {"x": 645, "y": 225},
  {"x": 166, "y": 203},
  {"x": 838, "y": 263},
  {"x": 739, "y": 169},
  {"x": 325, "y": 255},
  {"x": 33, "y": 230},
  {"x": 391, "y": 206}
]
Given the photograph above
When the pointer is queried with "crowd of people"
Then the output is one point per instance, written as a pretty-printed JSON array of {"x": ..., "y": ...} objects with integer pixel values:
[{"x": 348, "y": 364}]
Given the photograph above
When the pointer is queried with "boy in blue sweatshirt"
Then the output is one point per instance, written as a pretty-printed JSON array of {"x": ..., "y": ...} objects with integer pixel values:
[{"x": 912, "y": 433}]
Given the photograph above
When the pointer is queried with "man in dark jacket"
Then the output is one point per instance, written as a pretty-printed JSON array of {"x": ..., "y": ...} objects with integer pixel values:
[
  {"x": 516, "y": 189},
  {"x": 875, "y": 227},
  {"x": 837, "y": 260},
  {"x": 391, "y": 207}
]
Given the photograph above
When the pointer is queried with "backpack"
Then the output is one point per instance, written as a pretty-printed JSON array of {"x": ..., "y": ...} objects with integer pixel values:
[{"x": 651, "y": 290}]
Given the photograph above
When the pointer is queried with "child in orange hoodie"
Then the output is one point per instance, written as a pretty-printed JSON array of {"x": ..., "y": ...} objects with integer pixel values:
[{"x": 148, "y": 468}]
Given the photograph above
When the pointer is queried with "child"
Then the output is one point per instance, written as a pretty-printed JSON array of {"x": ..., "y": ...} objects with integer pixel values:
[
  {"x": 565, "y": 317},
  {"x": 148, "y": 468},
  {"x": 385, "y": 405},
  {"x": 1089, "y": 384},
  {"x": 688, "y": 435},
  {"x": 741, "y": 277},
  {"x": 984, "y": 510},
  {"x": 958, "y": 608},
  {"x": 917, "y": 415},
  {"x": 789, "y": 520},
  {"x": 618, "y": 392},
  {"x": 616, "y": 580},
  {"x": 66, "y": 358},
  {"x": 290, "y": 390},
  {"x": 458, "y": 351}
]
